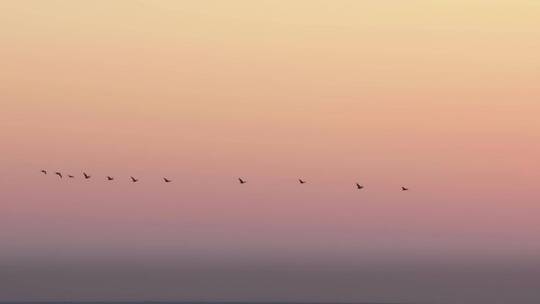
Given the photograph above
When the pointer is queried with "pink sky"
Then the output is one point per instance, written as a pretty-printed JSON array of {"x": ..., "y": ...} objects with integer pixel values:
[{"x": 441, "y": 96}]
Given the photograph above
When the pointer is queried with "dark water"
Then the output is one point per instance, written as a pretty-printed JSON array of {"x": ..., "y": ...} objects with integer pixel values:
[
  {"x": 121, "y": 282},
  {"x": 193, "y": 302}
]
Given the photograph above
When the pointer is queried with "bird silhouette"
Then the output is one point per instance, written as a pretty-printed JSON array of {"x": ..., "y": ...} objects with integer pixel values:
[
  {"x": 71, "y": 176},
  {"x": 86, "y": 176},
  {"x": 110, "y": 178},
  {"x": 242, "y": 181},
  {"x": 167, "y": 180},
  {"x": 133, "y": 179},
  {"x": 301, "y": 181},
  {"x": 44, "y": 171},
  {"x": 404, "y": 189},
  {"x": 360, "y": 187},
  {"x": 58, "y": 173}
]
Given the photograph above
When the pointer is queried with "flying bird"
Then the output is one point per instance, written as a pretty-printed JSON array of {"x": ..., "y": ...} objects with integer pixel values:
[
  {"x": 71, "y": 176},
  {"x": 360, "y": 187},
  {"x": 86, "y": 176},
  {"x": 242, "y": 181},
  {"x": 404, "y": 189},
  {"x": 301, "y": 181},
  {"x": 167, "y": 180},
  {"x": 44, "y": 171},
  {"x": 110, "y": 178},
  {"x": 133, "y": 179},
  {"x": 58, "y": 173}
]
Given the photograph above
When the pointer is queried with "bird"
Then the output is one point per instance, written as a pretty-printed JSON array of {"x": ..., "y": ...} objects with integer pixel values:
[
  {"x": 360, "y": 187},
  {"x": 86, "y": 176},
  {"x": 110, "y": 178},
  {"x": 44, "y": 171},
  {"x": 71, "y": 176},
  {"x": 242, "y": 181},
  {"x": 58, "y": 173},
  {"x": 301, "y": 181},
  {"x": 133, "y": 179},
  {"x": 167, "y": 180},
  {"x": 404, "y": 189}
]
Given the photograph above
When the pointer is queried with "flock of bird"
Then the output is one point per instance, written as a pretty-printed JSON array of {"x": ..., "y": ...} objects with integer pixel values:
[{"x": 167, "y": 180}]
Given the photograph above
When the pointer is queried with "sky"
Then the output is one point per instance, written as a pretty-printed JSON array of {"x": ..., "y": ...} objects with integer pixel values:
[{"x": 439, "y": 96}]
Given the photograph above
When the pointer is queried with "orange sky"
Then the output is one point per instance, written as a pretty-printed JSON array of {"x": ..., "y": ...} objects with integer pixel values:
[{"x": 442, "y": 96}]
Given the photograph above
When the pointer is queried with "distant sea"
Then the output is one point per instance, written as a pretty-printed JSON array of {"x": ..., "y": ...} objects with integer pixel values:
[{"x": 186, "y": 302}]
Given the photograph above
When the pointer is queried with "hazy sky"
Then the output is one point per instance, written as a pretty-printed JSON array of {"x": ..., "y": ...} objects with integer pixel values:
[{"x": 442, "y": 96}]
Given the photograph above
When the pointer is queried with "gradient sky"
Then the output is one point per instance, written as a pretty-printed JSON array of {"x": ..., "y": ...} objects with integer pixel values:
[{"x": 442, "y": 96}]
